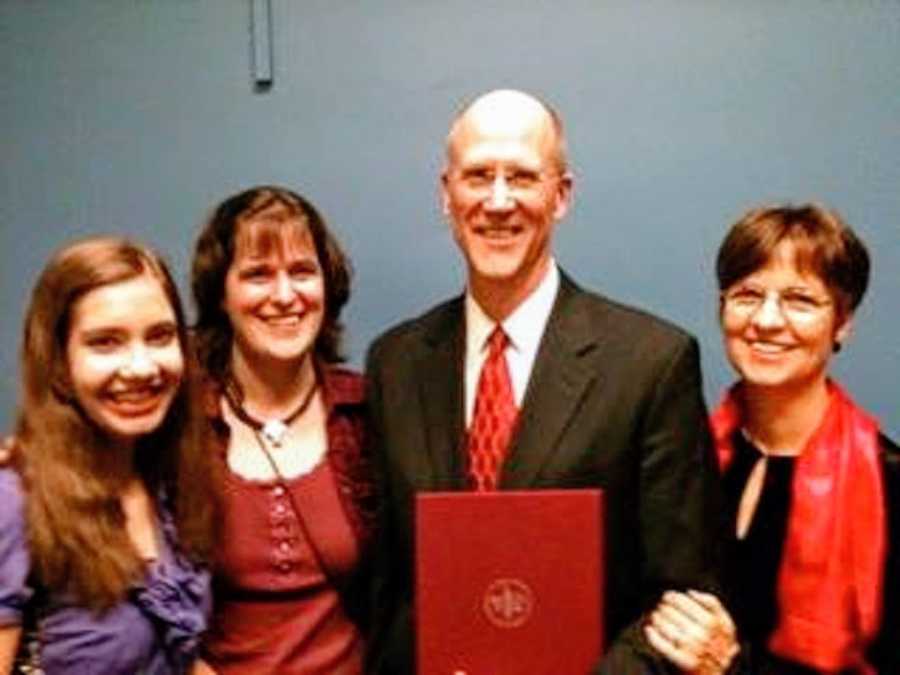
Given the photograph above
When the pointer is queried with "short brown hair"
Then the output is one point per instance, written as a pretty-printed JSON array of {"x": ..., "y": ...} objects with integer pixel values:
[
  {"x": 214, "y": 254},
  {"x": 825, "y": 245}
]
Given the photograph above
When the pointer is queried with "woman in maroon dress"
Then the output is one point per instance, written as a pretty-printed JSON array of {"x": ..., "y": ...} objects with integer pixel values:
[{"x": 287, "y": 424}]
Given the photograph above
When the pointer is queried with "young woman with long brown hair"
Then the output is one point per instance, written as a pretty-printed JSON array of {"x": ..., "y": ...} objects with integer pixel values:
[{"x": 106, "y": 509}]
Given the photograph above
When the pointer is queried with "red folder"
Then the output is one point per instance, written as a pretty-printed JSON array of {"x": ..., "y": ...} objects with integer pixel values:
[{"x": 509, "y": 583}]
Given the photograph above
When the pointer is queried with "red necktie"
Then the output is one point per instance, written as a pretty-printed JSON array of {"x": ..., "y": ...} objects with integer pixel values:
[{"x": 494, "y": 417}]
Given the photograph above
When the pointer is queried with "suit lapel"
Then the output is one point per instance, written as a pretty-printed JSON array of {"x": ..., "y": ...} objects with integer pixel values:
[
  {"x": 441, "y": 378},
  {"x": 558, "y": 384}
]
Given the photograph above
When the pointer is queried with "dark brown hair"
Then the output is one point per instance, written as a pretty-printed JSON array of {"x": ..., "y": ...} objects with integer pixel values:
[
  {"x": 75, "y": 522},
  {"x": 215, "y": 252},
  {"x": 825, "y": 245}
]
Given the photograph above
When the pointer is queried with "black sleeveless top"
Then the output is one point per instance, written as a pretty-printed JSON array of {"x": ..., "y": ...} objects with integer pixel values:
[{"x": 753, "y": 562}]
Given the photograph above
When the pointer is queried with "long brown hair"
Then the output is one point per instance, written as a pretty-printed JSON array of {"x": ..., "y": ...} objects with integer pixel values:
[{"x": 75, "y": 523}]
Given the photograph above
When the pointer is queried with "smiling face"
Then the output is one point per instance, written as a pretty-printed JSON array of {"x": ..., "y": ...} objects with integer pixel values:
[
  {"x": 274, "y": 291},
  {"x": 124, "y": 359},
  {"x": 504, "y": 190},
  {"x": 780, "y": 324}
]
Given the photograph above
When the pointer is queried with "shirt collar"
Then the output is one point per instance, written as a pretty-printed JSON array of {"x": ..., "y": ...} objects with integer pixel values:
[{"x": 525, "y": 326}]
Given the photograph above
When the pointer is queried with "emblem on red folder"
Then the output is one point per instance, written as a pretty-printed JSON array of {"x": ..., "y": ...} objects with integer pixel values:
[{"x": 508, "y": 603}]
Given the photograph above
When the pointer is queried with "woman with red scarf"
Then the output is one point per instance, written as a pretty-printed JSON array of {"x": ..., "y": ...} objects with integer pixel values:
[{"x": 812, "y": 486}]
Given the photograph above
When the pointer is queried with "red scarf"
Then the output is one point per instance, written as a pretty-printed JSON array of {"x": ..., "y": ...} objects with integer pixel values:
[{"x": 830, "y": 584}]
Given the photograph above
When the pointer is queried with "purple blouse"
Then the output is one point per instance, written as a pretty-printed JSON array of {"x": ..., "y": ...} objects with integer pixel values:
[{"x": 154, "y": 631}]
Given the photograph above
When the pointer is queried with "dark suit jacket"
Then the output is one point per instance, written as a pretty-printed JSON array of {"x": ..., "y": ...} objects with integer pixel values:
[{"x": 614, "y": 401}]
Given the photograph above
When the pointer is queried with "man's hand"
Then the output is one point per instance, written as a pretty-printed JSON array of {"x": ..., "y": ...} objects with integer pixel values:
[{"x": 693, "y": 631}]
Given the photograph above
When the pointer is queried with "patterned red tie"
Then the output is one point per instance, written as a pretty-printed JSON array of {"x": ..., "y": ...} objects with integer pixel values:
[{"x": 494, "y": 417}]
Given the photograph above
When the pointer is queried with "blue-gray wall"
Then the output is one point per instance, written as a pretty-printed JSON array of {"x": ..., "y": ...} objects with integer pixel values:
[{"x": 137, "y": 115}]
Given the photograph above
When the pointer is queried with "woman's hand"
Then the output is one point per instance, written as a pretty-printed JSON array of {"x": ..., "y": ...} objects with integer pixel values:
[
  {"x": 7, "y": 445},
  {"x": 693, "y": 631}
]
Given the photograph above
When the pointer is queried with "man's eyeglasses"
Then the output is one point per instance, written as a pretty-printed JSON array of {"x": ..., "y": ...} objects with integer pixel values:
[
  {"x": 516, "y": 181},
  {"x": 795, "y": 304}
]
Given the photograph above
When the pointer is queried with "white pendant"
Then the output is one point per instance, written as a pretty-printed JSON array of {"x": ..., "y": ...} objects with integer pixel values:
[{"x": 274, "y": 431}]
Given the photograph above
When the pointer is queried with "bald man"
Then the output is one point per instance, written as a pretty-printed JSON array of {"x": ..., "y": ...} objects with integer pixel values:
[{"x": 603, "y": 395}]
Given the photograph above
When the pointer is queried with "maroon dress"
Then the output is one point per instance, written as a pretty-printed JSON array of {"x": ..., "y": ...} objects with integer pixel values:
[{"x": 285, "y": 592}]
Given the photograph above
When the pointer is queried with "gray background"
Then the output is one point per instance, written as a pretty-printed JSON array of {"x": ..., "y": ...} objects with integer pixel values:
[{"x": 136, "y": 116}]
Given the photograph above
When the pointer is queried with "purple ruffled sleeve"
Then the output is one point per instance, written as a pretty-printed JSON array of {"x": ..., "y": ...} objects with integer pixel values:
[{"x": 14, "y": 558}]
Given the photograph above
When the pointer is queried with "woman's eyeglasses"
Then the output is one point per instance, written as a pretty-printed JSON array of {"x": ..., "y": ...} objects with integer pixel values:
[{"x": 795, "y": 304}]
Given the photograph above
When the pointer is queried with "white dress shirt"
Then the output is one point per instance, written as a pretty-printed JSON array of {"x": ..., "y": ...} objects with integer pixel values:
[{"x": 524, "y": 327}]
